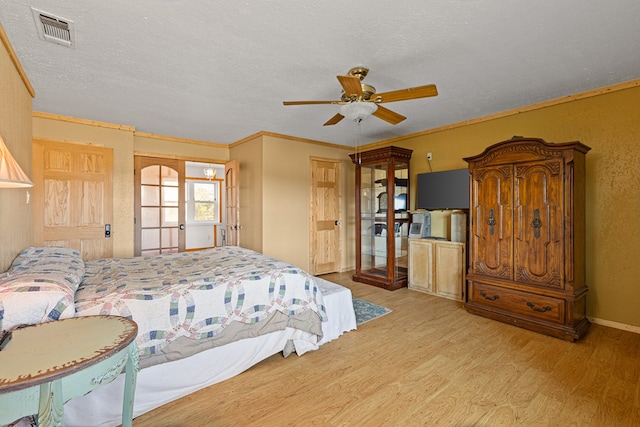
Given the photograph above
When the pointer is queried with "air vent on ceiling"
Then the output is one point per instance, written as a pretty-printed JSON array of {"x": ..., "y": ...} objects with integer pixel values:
[{"x": 54, "y": 29}]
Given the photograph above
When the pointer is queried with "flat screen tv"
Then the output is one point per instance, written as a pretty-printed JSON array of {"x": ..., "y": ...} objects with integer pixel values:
[{"x": 443, "y": 190}]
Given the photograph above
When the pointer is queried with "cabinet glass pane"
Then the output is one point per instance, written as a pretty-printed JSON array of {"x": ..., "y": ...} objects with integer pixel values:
[
  {"x": 368, "y": 200},
  {"x": 373, "y": 227},
  {"x": 401, "y": 200},
  {"x": 401, "y": 226},
  {"x": 402, "y": 249}
]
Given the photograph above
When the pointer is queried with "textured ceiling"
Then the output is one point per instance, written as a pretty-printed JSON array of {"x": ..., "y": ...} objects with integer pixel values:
[{"x": 219, "y": 71}]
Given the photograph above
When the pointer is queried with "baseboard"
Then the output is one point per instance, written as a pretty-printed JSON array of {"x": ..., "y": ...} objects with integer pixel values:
[{"x": 616, "y": 325}]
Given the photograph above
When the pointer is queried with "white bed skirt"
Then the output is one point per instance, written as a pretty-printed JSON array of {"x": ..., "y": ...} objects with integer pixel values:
[{"x": 160, "y": 384}]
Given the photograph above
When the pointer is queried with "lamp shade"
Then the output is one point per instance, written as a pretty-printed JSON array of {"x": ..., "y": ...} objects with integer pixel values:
[{"x": 11, "y": 175}]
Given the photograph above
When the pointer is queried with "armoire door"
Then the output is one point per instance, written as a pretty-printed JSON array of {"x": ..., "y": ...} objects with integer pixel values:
[
  {"x": 491, "y": 222},
  {"x": 159, "y": 206},
  {"x": 538, "y": 220}
]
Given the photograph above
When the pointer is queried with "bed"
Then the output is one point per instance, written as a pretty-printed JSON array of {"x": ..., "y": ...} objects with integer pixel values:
[{"x": 202, "y": 316}]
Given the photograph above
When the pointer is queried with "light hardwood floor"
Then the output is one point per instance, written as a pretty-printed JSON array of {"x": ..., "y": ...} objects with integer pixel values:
[{"x": 428, "y": 363}]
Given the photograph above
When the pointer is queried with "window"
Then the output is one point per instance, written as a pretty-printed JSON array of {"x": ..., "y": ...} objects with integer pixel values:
[{"x": 203, "y": 201}]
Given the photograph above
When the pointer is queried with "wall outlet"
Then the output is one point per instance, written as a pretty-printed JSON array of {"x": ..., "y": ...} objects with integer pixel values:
[{"x": 429, "y": 157}]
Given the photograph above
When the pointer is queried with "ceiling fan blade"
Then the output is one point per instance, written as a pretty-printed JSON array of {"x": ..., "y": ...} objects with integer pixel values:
[
  {"x": 406, "y": 94},
  {"x": 311, "y": 102},
  {"x": 388, "y": 115},
  {"x": 351, "y": 85},
  {"x": 333, "y": 120}
]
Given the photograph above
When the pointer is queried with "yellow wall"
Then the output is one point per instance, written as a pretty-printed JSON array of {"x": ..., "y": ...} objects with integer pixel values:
[
  {"x": 16, "y": 216},
  {"x": 250, "y": 157},
  {"x": 275, "y": 195},
  {"x": 610, "y": 125},
  {"x": 287, "y": 199}
]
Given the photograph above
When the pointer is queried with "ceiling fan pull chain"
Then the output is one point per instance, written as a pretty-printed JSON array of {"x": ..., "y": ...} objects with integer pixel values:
[{"x": 358, "y": 136}]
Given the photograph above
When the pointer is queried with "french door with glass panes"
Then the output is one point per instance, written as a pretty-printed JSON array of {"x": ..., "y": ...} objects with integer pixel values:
[{"x": 159, "y": 204}]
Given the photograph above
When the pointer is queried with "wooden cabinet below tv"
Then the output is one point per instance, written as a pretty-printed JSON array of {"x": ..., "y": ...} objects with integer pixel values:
[{"x": 437, "y": 267}]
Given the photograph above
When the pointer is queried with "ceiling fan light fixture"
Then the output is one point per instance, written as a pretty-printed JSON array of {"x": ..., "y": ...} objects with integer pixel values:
[{"x": 358, "y": 110}]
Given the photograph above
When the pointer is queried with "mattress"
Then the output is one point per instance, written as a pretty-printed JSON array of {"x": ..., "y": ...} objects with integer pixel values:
[
  {"x": 163, "y": 383},
  {"x": 187, "y": 302}
]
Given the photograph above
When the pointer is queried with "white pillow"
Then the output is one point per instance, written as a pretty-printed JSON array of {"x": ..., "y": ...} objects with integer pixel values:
[
  {"x": 40, "y": 286},
  {"x": 28, "y": 299}
]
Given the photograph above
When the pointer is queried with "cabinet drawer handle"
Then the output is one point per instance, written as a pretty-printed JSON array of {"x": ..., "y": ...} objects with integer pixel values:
[
  {"x": 538, "y": 310},
  {"x": 536, "y": 223},
  {"x": 484, "y": 295},
  {"x": 491, "y": 222}
]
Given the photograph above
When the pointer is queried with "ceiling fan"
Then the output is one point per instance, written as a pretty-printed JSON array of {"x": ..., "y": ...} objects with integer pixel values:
[{"x": 360, "y": 100}]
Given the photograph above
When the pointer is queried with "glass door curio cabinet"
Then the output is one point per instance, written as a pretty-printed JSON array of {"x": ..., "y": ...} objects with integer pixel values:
[{"x": 382, "y": 219}]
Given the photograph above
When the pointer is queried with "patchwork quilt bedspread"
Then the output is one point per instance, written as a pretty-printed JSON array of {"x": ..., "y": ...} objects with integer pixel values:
[{"x": 197, "y": 295}]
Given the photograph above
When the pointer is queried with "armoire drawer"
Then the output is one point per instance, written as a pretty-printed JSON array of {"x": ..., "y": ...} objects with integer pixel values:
[{"x": 518, "y": 302}]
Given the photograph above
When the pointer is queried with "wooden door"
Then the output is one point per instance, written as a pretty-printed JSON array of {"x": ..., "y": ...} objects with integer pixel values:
[
  {"x": 491, "y": 222},
  {"x": 159, "y": 206},
  {"x": 232, "y": 202},
  {"x": 538, "y": 223},
  {"x": 73, "y": 197},
  {"x": 325, "y": 216}
]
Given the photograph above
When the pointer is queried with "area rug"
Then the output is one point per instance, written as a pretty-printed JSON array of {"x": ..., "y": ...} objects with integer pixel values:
[{"x": 366, "y": 311}]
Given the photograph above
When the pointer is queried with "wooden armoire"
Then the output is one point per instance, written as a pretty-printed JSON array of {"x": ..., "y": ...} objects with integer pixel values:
[{"x": 527, "y": 236}]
